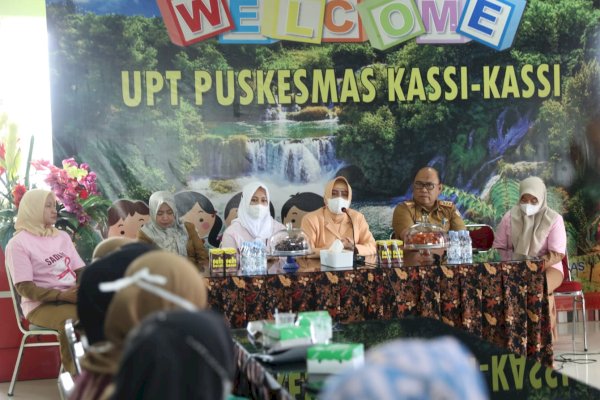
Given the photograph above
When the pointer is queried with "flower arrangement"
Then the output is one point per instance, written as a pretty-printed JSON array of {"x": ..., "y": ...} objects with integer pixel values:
[
  {"x": 13, "y": 187},
  {"x": 83, "y": 210},
  {"x": 74, "y": 186}
]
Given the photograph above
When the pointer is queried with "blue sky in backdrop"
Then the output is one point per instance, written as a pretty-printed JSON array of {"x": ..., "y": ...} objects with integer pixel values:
[{"x": 146, "y": 8}]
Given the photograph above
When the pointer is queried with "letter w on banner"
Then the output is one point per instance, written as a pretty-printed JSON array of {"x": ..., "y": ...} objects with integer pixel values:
[{"x": 191, "y": 21}]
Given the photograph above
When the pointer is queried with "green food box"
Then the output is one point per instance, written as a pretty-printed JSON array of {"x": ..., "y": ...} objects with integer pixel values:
[
  {"x": 285, "y": 336},
  {"x": 334, "y": 357}
]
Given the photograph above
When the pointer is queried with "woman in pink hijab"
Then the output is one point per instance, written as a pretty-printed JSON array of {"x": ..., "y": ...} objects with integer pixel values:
[{"x": 532, "y": 229}]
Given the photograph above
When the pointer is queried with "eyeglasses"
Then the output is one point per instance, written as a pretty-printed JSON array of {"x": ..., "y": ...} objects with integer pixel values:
[{"x": 424, "y": 185}]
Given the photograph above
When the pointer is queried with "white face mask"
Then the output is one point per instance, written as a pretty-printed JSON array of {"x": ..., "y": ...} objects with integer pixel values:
[
  {"x": 336, "y": 204},
  {"x": 530, "y": 209},
  {"x": 256, "y": 211}
]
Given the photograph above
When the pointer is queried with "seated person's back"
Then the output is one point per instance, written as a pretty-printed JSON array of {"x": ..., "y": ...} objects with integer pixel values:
[{"x": 177, "y": 355}]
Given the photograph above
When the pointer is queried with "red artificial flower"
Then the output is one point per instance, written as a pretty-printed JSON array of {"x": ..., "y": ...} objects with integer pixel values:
[
  {"x": 2, "y": 150},
  {"x": 83, "y": 194},
  {"x": 18, "y": 192}
]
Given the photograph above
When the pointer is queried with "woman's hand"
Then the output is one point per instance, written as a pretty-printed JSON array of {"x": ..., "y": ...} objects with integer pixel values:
[
  {"x": 348, "y": 244},
  {"x": 69, "y": 295}
]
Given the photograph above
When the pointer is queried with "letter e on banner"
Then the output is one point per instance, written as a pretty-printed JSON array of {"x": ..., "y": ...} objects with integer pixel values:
[
  {"x": 493, "y": 23},
  {"x": 191, "y": 21}
]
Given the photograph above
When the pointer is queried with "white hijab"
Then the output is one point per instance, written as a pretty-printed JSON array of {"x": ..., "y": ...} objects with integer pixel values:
[
  {"x": 529, "y": 233},
  {"x": 258, "y": 228},
  {"x": 175, "y": 237}
]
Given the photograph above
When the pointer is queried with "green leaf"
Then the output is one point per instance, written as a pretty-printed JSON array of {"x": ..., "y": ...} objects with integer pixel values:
[
  {"x": 8, "y": 213},
  {"x": 503, "y": 195},
  {"x": 29, "y": 155},
  {"x": 6, "y": 233}
]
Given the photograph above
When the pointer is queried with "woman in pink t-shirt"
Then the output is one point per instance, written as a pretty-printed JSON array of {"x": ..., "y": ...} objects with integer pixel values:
[
  {"x": 532, "y": 229},
  {"x": 43, "y": 264}
]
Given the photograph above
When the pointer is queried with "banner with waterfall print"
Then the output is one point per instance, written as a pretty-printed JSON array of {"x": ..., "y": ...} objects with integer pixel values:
[{"x": 208, "y": 95}]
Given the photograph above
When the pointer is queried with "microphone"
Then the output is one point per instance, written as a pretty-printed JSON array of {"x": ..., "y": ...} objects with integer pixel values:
[{"x": 356, "y": 259}]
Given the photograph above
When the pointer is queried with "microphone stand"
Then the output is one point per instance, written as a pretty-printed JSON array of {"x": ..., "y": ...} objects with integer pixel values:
[{"x": 356, "y": 259}]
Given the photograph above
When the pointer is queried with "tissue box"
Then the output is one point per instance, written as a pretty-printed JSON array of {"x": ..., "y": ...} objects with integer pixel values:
[
  {"x": 337, "y": 260},
  {"x": 323, "y": 319},
  {"x": 285, "y": 336},
  {"x": 333, "y": 358},
  {"x": 305, "y": 317}
]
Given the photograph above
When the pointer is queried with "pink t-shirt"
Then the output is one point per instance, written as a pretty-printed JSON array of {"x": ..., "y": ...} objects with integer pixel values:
[
  {"x": 49, "y": 262},
  {"x": 555, "y": 241}
]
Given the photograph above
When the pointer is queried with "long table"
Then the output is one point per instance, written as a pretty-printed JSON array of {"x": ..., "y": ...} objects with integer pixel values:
[
  {"x": 508, "y": 376},
  {"x": 502, "y": 302}
]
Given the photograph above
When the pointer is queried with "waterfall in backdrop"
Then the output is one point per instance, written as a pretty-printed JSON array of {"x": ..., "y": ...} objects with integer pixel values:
[
  {"x": 291, "y": 160},
  {"x": 294, "y": 160}
]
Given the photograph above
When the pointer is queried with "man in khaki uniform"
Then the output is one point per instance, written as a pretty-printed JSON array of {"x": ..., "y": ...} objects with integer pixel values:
[{"x": 426, "y": 190}]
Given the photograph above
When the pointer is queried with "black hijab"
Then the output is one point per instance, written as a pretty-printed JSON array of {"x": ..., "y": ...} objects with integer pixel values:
[
  {"x": 91, "y": 302},
  {"x": 177, "y": 355}
]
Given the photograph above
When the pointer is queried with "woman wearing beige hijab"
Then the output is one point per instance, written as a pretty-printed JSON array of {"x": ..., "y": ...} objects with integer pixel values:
[
  {"x": 335, "y": 220},
  {"x": 532, "y": 229},
  {"x": 130, "y": 306},
  {"x": 44, "y": 264},
  {"x": 166, "y": 231}
]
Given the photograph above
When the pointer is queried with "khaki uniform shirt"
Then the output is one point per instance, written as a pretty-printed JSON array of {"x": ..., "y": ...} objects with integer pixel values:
[{"x": 443, "y": 213}]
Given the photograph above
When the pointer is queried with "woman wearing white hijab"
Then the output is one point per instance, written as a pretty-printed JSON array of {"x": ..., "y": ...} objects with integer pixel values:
[
  {"x": 166, "y": 231},
  {"x": 254, "y": 221},
  {"x": 532, "y": 229}
]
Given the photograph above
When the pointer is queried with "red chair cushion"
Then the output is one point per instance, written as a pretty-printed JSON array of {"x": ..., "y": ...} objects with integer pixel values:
[
  {"x": 568, "y": 286},
  {"x": 482, "y": 238}
]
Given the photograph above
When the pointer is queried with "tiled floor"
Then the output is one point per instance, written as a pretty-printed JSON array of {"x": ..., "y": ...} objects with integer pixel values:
[
  {"x": 584, "y": 367},
  {"x": 577, "y": 365}
]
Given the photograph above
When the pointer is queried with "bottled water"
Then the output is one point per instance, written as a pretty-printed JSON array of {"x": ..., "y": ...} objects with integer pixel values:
[
  {"x": 246, "y": 259},
  {"x": 260, "y": 260},
  {"x": 466, "y": 247},
  {"x": 253, "y": 258},
  {"x": 454, "y": 248}
]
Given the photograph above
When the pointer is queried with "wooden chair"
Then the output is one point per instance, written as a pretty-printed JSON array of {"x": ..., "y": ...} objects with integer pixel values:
[
  {"x": 573, "y": 289},
  {"x": 27, "y": 329}
]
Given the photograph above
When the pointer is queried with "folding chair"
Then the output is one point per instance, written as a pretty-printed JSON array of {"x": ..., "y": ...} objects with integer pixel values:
[
  {"x": 66, "y": 385},
  {"x": 570, "y": 288},
  {"x": 27, "y": 330},
  {"x": 76, "y": 346},
  {"x": 482, "y": 237}
]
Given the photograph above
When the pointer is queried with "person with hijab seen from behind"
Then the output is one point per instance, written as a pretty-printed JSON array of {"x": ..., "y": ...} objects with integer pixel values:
[
  {"x": 196, "y": 361},
  {"x": 254, "y": 222},
  {"x": 108, "y": 266},
  {"x": 44, "y": 265},
  {"x": 129, "y": 306},
  {"x": 166, "y": 231},
  {"x": 411, "y": 369},
  {"x": 335, "y": 220},
  {"x": 532, "y": 229}
]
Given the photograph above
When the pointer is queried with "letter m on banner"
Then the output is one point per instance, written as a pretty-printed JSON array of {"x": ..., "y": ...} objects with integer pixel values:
[{"x": 191, "y": 21}]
